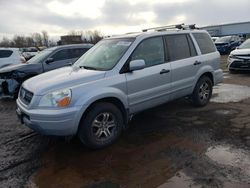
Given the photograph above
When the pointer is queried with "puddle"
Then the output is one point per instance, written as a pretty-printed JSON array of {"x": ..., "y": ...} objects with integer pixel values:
[
  {"x": 225, "y": 93},
  {"x": 180, "y": 180},
  {"x": 226, "y": 112},
  {"x": 226, "y": 155}
]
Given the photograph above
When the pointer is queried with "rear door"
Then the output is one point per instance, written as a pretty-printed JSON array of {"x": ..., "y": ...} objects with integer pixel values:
[
  {"x": 184, "y": 63},
  {"x": 150, "y": 86},
  {"x": 60, "y": 58},
  {"x": 76, "y": 53}
]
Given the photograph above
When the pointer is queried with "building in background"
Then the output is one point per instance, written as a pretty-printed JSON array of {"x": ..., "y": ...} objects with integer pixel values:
[
  {"x": 241, "y": 29},
  {"x": 70, "y": 39}
]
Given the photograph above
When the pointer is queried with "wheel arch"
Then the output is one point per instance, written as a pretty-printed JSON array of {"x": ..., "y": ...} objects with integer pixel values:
[{"x": 112, "y": 100}]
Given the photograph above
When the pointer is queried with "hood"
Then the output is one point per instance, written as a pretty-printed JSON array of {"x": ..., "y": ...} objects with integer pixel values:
[
  {"x": 241, "y": 52},
  {"x": 11, "y": 68},
  {"x": 61, "y": 78}
]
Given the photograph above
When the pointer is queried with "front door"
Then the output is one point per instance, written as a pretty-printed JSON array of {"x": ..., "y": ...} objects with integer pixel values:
[{"x": 150, "y": 86}]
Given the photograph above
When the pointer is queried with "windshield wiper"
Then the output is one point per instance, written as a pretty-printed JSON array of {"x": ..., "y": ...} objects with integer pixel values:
[{"x": 87, "y": 67}]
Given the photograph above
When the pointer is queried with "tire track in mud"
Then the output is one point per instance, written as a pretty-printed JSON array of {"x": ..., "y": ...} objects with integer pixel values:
[{"x": 20, "y": 148}]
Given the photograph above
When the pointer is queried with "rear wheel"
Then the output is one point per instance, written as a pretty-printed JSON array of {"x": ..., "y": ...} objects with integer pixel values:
[
  {"x": 101, "y": 126},
  {"x": 202, "y": 91}
]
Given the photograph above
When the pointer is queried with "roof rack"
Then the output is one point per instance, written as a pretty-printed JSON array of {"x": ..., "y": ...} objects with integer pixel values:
[{"x": 169, "y": 27}]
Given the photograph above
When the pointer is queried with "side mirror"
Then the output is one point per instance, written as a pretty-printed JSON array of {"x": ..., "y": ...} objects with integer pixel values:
[
  {"x": 49, "y": 60},
  {"x": 137, "y": 65}
]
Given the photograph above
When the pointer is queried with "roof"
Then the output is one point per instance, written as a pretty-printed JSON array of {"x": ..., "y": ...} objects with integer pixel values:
[
  {"x": 88, "y": 45},
  {"x": 156, "y": 33}
]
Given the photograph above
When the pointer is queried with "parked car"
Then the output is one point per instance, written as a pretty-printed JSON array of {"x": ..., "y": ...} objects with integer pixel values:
[
  {"x": 119, "y": 77},
  {"x": 10, "y": 56},
  {"x": 30, "y": 52},
  {"x": 12, "y": 77},
  {"x": 226, "y": 44},
  {"x": 239, "y": 59}
]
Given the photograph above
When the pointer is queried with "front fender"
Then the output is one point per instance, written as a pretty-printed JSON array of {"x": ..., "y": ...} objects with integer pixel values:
[{"x": 90, "y": 97}]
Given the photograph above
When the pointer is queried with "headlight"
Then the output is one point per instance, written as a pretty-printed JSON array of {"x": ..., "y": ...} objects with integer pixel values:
[{"x": 60, "y": 98}]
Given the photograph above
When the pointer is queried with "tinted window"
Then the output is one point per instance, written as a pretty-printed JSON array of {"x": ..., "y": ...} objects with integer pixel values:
[
  {"x": 77, "y": 52},
  {"x": 5, "y": 53},
  {"x": 61, "y": 55},
  {"x": 178, "y": 47},
  {"x": 205, "y": 43},
  {"x": 151, "y": 51}
]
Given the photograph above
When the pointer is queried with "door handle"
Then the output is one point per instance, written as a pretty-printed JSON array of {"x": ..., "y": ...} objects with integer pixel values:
[
  {"x": 197, "y": 63},
  {"x": 164, "y": 71}
]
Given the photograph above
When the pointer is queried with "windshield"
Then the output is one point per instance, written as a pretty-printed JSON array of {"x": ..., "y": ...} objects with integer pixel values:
[
  {"x": 40, "y": 56},
  {"x": 245, "y": 45},
  {"x": 224, "y": 39},
  {"x": 104, "y": 55}
]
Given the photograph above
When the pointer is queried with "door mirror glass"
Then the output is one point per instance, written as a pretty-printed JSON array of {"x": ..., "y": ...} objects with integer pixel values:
[
  {"x": 49, "y": 60},
  {"x": 137, "y": 65}
]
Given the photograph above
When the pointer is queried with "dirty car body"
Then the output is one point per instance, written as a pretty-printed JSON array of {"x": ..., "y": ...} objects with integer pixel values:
[{"x": 13, "y": 76}]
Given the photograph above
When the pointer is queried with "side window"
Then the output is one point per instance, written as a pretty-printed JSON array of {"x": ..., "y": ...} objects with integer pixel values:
[
  {"x": 204, "y": 42},
  {"x": 179, "y": 47},
  {"x": 61, "y": 55},
  {"x": 5, "y": 53},
  {"x": 77, "y": 52},
  {"x": 151, "y": 51}
]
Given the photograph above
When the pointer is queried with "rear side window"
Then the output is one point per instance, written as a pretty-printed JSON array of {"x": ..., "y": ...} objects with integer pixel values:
[
  {"x": 179, "y": 47},
  {"x": 5, "y": 53},
  {"x": 77, "y": 52},
  {"x": 61, "y": 55},
  {"x": 151, "y": 51},
  {"x": 205, "y": 43}
]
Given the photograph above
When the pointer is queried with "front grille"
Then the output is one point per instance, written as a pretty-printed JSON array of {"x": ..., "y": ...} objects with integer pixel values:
[
  {"x": 25, "y": 96},
  {"x": 240, "y": 65}
]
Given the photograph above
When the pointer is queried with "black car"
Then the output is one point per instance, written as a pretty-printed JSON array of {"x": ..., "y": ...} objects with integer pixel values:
[
  {"x": 228, "y": 43},
  {"x": 13, "y": 76}
]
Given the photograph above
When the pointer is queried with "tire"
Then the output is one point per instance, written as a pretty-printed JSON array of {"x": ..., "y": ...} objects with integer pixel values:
[
  {"x": 101, "y": 126},
  {"x": 202, "y": 92},
  {"x": 232, "y": 71}
]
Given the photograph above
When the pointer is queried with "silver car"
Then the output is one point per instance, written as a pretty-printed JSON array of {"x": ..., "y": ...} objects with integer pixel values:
[{"x": 117, "y": 78}]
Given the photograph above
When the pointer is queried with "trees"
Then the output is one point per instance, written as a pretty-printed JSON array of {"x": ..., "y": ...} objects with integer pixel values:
[
  {"x": 43, "y": 39},
  {"x": 20, "y": 41}
]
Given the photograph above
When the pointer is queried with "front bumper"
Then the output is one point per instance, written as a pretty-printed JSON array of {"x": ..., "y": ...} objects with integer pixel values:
[
  {"x": 238, "y": 64},
  {"x": 58, "y": 122},
  {"x": 223, "y": 50},
  {"x": 8, "y": 88}
]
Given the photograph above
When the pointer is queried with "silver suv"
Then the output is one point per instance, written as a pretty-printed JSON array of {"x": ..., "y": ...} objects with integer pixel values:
[{"x": 119, "y": 77}]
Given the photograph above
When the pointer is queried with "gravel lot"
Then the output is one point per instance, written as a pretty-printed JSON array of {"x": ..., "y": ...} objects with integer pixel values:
[{"x": 174, "y": 145}]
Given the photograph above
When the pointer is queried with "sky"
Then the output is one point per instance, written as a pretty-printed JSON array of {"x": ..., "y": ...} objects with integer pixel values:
[{"x": 59, "y": 17}]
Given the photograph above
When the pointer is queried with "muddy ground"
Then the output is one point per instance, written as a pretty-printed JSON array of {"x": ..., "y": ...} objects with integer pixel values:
[{"x": 174, "y": 145}]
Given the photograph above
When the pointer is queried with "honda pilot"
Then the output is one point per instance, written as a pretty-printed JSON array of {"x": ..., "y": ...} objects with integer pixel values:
[{"x": 117, "y": 78}]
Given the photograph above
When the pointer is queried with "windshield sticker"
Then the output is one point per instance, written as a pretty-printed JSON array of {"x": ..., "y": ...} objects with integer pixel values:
[{"x": 123, "y": 43}]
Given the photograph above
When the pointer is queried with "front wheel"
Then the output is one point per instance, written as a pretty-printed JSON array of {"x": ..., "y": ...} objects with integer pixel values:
[
  {"x": 202, "y": 91},
  {"x": 101, "y": 126}
]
